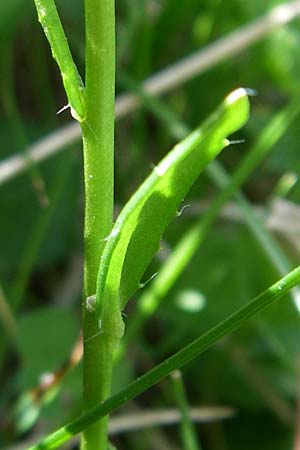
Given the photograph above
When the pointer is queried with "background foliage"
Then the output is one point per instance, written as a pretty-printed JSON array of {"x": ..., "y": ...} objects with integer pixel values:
[{"x": 253, "y": 371}]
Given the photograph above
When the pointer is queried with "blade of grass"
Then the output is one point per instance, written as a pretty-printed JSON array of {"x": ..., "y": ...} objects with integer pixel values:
[
  {"x": 187, "y": 430},
  {"x": 191, "y": 351}
]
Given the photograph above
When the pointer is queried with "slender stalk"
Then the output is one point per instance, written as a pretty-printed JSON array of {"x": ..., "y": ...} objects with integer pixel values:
[
  {"x": 188, "y": 433},
  {"x": 179, "y": 359},
  {"x": 98, "y": 151},
  {"x": 53, "y": 29}
]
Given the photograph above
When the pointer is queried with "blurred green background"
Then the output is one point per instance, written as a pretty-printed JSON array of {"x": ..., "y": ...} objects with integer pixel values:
[{"x": 254, "y": 371}]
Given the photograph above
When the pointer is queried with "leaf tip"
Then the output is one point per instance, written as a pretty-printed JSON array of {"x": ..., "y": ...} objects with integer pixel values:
[
  {"x": 237, "y": 107},
  {"x": 236, "y": 95}
]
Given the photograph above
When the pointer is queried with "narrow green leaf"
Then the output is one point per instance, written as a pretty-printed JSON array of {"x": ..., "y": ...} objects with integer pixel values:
[
  {"x": 179, "y": 359},
  {"x": 137, "y": 232},
  {"x": 53, "y": 29},
  {"x": 171, "y": 270},
  {"x": 220, "y": 177}
]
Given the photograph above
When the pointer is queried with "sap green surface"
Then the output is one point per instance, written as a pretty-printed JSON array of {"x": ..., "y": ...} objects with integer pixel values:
[
  {"x": 137, "y": 232},
  {"x": 53, "y": 29}
]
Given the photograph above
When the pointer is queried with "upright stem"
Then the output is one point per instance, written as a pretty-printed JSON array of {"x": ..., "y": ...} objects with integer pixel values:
[{"x": 98, "y": 147}]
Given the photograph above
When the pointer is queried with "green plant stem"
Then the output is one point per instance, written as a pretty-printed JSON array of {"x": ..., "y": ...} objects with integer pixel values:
[
  {"x": 53, "y": 29},
  {"x": 191, "y": 351},
  {"x": 98, "y": 151},
  {"x": 188, "y": 432}
]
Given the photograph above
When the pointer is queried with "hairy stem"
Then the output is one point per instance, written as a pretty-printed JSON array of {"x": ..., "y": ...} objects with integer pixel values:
[{"x": 98, "y": 146}]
